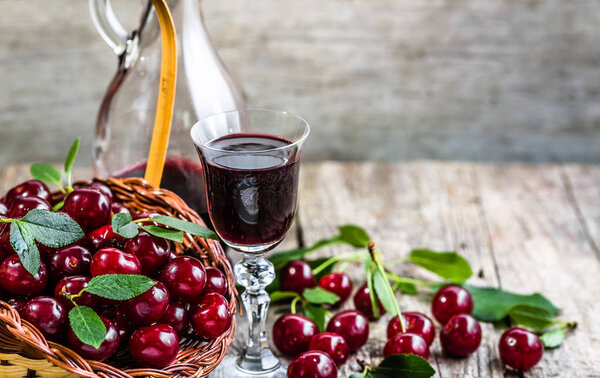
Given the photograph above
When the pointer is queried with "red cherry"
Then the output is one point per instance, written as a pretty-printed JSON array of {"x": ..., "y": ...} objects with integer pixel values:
[
  {"x": 362, "y": 302},
  {"x": 332, "y": 344},
  {"x": 70, "y": 261},
  {"x": 185, "y": 278},
  {"x": 406, "y": 343},
  {"x": 114, "y": 261},
  {"x": 451, "y": 300},
  {"x": 47, "y": 315},
  {"x": 16, "y": 280},
  {"x": 153, "y": 252},
  {"x": 147, "y": 307},
  {"x": 292, "y": 333},
  {"x": 21, "y": 206},
  {"x": 176, "y": 316},
  {"x": 352, "y": 325},
  {"x": 415, "y": 322},
  {"x": 312, "y": 364},
  {"x": 6, "y": 248},
  {"x": 339, "y": 284},
  {"x": 104, "y": 237},
  {"x": 154, "y": 346},
  {"x": 461, "y": 336},
  {"x": 3, "y": 208},
  {"x": 106, "y": 349},
  {"x": 103, "y": 189},
  {"x": 31, "y": 188},
  {"x": 144, "y": 216},
  {"x": 88, "y": 207},
  {"x": 215, "y": 281},
  {"x": 117, "y": 208},
  {"x": 71, "y": 286},
  {"x": 297, "y": 276},
  {"x": 520, "y": 349},
  {"x": 124, "y": 328},
  {"x": 18, "y": 303},
  {"x": 211, "y": 317}
]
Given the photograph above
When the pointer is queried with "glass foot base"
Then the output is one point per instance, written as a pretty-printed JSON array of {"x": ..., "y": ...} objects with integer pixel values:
[{"x": 270, "y": 367}]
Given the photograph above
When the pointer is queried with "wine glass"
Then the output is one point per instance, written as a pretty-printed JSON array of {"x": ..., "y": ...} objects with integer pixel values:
[{"x": 251, "y": 160}]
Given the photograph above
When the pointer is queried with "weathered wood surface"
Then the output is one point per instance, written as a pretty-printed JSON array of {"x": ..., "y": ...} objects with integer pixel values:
[
  {"x": 378, "y": 79},
  {"x": 524, "y": 228}
]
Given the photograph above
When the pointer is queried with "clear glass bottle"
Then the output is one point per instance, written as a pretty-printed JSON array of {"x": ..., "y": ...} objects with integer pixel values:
[{"x": 126, "y": 116}]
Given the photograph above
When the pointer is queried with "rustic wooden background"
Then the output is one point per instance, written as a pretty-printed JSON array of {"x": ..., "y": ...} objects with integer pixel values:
[{"x": 491, "y": 80}]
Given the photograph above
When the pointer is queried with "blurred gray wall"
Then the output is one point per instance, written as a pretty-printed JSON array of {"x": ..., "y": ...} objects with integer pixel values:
[{"x": 489, "y": 80}]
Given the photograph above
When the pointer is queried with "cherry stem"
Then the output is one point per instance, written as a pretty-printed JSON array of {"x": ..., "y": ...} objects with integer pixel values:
[
  {"x": 342, "y": 266},
  {"x": 400, "y": 280},
  {"x": 293, "y": 304},
  {"x": 388, "y": 287},
  {"x": 6, "y": 220},
  {"x": 345, "y": 257}
]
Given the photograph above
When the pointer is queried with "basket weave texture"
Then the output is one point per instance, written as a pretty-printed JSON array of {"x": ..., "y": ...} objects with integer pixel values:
[{"x": 23, "y": 346}]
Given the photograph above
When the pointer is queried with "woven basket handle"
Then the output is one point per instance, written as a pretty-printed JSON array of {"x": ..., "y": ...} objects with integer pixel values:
[{"x": 166, "y": 95}]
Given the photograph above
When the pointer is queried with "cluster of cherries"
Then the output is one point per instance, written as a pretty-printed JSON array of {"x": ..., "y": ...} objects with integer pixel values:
[
  {"x": 319, "y": 354},
  {"x": 185, "y": 294}
]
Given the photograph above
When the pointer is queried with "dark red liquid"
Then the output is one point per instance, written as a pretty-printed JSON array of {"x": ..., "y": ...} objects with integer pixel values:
[
  {"x": 181, "y": 176},
  {"x": 251, "y": 196}
]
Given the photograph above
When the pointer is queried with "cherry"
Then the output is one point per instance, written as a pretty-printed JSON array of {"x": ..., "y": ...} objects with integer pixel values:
[
  {"x": 406, "y": 343},
  {"x": 339, "y": 284},
  {"x": 520, "y": 349},
  {"x": 21, "y": 206},
  {"x": 332, "y": 344},
  {"x": 16, "y": 280},
  {"x": 292, "y": 333},
  {"x": 312, "y": 364},
  {"x": 104, "y": 237},
  {"x": 18, "y": 303},
  {"x": 117, "y": 208},
  {"x": 153, "y": 252},
  {"x": 211, "y": 317},
  {"x": 147, "y": 307},
  {"x": 461, "y": 336},
  {"x": 352, "y": 325},
  {"x": 114, "y": 261},
  {"x": 47, "y": 315},
  {"x": 124, "y": 328},
  {"x": 362, "y": 302},
  {"x": 103, "y": 189},
  {"x": 297, "y": 276},
  {"x": 31, "y": 188},
  {"x": 88, "y": 207},
  {"x": 106, "y": 349},
  {"x": 176, "y": 316},
  {"x": 451, "y": 300},
  {"x": 185, "y": 278},
  {"x": 70, "y": 261},
  {"x": 215, "y": 281},
  {"x": 71, "y": 286},
  {"x": 415, "y": 322},
  {"x": 5, "y": 246},
  {"x": 144, "y": 216},
  {"x": 154, "y": 346},
  {"x": 3, "y": 208}
]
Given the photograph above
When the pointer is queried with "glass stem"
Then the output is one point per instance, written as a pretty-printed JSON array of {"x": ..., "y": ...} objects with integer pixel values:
[{"x": 254, "y": 273}]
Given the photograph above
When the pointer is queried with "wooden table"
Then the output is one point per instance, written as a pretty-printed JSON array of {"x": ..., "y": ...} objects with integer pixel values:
[{"x": 523, "y": 228}]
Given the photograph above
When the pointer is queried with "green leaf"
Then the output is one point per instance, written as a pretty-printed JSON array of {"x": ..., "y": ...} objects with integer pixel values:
[
  {"x": 87, "y": 326},
  {"x": 46, "y": 173},
  {"x": 357, "y": 375},
  {"x": 554, "y": 337},
  {"x": 354, "y": 235},
  {"x": 119, "y": 287},
  {"x": 70, "y": 160},
  {"x": 23, "y": 243},
  {"x": 164, "y": 233},
  {"x": 122, "y": 224},
  {"x": 53, "y": 230},
  {"x": 281, "y": 295},
  {"x": 380, "y": 286},
  {"x": 533, "y": 317},
  {"x": 407, "y": 288},
  {"x": 449, "y": 265},
  {"x": 404, "y": 365},
  {"x": 318, "y": 295},
  {"x": 185, "y": 226},
  {"x": 317, "y": 314},
  {"x": 492, "y": 304}
]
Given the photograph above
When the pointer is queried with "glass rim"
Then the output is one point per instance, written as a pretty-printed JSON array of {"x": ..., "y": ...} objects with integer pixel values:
[{"x": 204, "y": 145}]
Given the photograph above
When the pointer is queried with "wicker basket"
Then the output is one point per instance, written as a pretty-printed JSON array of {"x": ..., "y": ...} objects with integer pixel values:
[{"x": 25, "y": 351}]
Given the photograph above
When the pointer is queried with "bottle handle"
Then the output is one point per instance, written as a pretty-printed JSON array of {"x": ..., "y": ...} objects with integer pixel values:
[{"x": 108, "y": 26}]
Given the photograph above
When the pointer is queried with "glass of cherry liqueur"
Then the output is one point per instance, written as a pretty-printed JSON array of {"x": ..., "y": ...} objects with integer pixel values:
[{"x": 251, "y": 161}]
